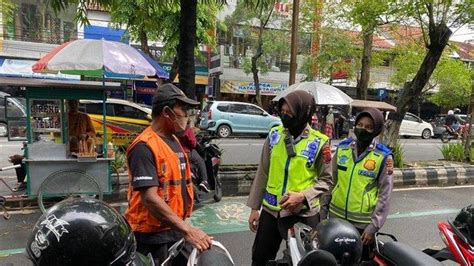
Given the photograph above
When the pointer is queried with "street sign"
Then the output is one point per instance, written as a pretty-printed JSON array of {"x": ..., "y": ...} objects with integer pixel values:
[{"x": 382, "y": 94}]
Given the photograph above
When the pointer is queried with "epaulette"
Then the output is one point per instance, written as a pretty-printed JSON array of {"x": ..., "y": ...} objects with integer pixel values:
[
  {"x": 345, "y": 142},
  {"x": 384, "y": 149}
]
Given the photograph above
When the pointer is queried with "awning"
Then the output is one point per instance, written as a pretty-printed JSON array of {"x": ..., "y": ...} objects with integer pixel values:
[{"x": 383, "y": 106}]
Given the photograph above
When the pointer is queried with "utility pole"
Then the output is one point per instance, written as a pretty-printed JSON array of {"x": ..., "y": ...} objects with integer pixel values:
[
  {"x": 294, "y": 41},
  {"x": 316, "y": 38}
]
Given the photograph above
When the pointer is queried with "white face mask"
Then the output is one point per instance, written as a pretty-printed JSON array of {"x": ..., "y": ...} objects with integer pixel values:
[{"x": 179, "y": 122}]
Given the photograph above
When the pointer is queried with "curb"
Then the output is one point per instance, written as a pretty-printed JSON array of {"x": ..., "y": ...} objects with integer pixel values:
[{"x": 237, "y": 180}]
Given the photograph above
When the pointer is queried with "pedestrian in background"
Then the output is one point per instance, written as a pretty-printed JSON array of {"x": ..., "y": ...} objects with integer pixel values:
[
  {"x": 294, "y": 171},
  {"x": 362, "y": 178},
  {"x": 329, "y": 127}
]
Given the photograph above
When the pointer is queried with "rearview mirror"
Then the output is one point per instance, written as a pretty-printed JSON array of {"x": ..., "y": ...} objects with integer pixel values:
[{"x": 264, "y": 114}]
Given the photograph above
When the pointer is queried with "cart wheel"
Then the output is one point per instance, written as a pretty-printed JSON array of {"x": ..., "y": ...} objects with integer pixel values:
[{"x": 68, "y": 183}]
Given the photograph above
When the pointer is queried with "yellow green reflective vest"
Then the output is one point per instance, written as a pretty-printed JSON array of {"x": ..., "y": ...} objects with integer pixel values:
[
  {"x": 293, "y": 174},
  {"x": 355, "y": 194}
]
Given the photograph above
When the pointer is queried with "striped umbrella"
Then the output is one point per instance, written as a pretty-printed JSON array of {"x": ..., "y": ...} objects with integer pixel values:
[{"x": 96, "y": 58}]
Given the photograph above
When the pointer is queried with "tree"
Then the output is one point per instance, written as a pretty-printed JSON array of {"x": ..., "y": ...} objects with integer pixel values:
[
  {"x": 187, "y": 29},
  {"x": 368, "y": 15},
  {"x": 337, "y": 54},
  {"x": 453, "y": 78},
  {"x": 268, "y": 42},
  {"x": 149, "y": 23},
  {"x": 435, "y": 19}
]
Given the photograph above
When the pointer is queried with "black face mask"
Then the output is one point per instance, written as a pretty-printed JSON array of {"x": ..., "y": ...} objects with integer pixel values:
[
  {"x": 292, "y": 124},
  {"x": 364, "y": 137}
]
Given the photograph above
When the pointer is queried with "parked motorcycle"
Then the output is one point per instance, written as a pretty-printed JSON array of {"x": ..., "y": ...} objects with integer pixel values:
[
  {"x": 458, "y": 235},
  {"x": 337, "y": 242},
  {"x": 211, "y": 154}
]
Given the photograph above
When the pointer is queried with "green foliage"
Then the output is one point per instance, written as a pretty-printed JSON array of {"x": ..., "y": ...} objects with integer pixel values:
[
  {"x": 254, "y": 22},
  {"x": 453, "y": 151},
  {"x": 7, "y": 9},
  {"x": 453, "y": 78},
  {"x": 398, "y": 156},
  {"x": 119, "y": 160},
  {"x": 407, "y": 61},
  {"x": 337, "y": 53},
  {"x": 162, "y": 22}
]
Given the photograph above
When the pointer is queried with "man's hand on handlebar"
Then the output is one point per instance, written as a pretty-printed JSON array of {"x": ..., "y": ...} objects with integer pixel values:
[{"x": 198, "y": 239}]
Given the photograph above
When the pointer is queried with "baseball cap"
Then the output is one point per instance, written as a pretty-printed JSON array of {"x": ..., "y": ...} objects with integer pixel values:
[{"x": 167, "y": 92}]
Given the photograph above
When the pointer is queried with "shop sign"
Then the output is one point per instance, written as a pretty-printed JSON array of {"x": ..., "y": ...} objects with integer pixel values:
[{"x": 242, "y": 87}]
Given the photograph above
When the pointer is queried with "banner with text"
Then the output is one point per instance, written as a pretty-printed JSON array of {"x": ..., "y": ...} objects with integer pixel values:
[{"x": 242, "y": 87}]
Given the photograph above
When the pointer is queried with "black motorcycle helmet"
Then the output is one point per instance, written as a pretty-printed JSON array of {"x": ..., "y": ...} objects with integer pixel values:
[
  {"x": 83, "y": 232},
  {"x": 341, "y": 239},
  {"x": 463, "y": 224}
]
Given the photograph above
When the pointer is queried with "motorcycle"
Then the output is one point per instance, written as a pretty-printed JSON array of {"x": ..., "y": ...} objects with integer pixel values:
[
  {"x": 211, "y": 154},
  {"x": 450, "y": 134},
  {"x": 459, "y": 245},
  {"x": 306, "y": 246}
]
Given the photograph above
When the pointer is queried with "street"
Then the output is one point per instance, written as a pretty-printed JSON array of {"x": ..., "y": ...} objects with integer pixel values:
[
  {"x": 413, "y": 219},
  {"x": 247, "y": 150}
]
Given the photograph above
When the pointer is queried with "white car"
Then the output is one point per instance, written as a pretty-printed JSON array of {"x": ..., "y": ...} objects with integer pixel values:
[{"x": 412, "y": 125}]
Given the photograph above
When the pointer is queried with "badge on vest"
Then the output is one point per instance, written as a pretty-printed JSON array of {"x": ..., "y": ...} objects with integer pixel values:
[
  {"x": 310, "y": 151},
  {"x": 343, "y": 160},
  {"x": 370, "y": 165},
  {"x": 270, "y": 198},
  {"x": 370, "y": 174},
  {"x": 274, "y": 138}
]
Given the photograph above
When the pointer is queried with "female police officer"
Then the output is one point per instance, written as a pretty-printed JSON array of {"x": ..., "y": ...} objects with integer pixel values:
[
  {"x": 362, "y": 177},
  {"x": 294, "y": 171}
]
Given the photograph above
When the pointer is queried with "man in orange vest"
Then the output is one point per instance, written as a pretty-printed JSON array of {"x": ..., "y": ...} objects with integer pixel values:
[{"x": 160, "y": 194}]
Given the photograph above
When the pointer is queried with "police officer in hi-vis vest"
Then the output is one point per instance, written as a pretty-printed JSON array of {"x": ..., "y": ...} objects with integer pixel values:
[
  {"x": 160, "y": 194},
  {"x": 362, "y": 175},
  {"x": 294, "y": 171}
]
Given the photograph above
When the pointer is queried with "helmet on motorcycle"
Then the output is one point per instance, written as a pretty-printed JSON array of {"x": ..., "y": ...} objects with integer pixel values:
[
  {"x": 457, "y": 110},
  {"x": 217, "y": 255},
  {"x": 464, "y": 223},
  {"x": 340, "y": 238},
  {"x": 450, "y": 112},
  {"x": 82, "y": 232}
]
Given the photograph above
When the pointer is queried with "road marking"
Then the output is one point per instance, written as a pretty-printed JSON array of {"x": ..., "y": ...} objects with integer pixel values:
[
  {"x": 9, "y": 252},
  {"x": 421, "y": 214},
  {"x": 432, "y": 188}
]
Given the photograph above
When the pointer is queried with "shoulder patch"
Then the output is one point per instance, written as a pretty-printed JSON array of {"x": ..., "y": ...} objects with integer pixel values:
[
  {"x": 345, "y": 142},
  {"x": 326, "y": 153},
  {"x": 384, "y": 149}
]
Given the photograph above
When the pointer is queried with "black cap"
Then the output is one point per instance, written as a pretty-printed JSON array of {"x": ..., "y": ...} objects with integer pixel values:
[{"x": 168, "y": 92}]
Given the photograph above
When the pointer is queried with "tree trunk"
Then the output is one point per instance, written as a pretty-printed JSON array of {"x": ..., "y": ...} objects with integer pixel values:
[
  {"x": 439, "y": 36},
  {"x": 174, "y": 70},
  {"x": 187, "y": 43},
  {"x": 363, "y": 82},
  {"x": 144, "y": 42},
  {"x": 467, "y": 143},
  {"x": 255, "y": 58}
]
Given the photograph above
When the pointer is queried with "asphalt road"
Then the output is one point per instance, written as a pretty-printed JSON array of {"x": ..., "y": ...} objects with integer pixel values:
[
  {"x": 413, "y": 219},
  {"x": 247, "y": 150}
]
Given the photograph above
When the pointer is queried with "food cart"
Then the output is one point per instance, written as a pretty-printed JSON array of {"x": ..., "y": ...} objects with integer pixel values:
[{"x": 52, "y": 169}]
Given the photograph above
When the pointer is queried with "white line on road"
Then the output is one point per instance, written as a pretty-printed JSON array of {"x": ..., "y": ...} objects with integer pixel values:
[{"x": 432, "y": 188}]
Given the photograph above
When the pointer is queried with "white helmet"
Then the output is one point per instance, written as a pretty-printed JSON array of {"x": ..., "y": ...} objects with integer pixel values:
[{"x": 450, "y": 112}]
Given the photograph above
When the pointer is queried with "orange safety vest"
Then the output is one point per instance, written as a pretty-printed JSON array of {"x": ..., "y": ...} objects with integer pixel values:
[{"x": 169, "y": 174}]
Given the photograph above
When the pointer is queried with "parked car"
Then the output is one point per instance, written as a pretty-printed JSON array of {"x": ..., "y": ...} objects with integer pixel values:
[
  {"x": 125, "y": 119},
  {"x": 224, "y": 118},
  {"x": 412, "y": 125},
  {"x": 15, "y": 107}
]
